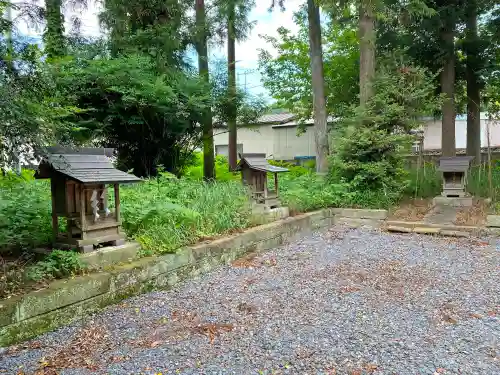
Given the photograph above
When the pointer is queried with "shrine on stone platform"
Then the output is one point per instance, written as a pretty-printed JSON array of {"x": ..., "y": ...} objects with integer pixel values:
[{"x": 79, "y": 180}]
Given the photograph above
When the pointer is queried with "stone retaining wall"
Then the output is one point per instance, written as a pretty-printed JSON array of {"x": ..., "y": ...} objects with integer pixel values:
[{"x": 64, "y": 301}]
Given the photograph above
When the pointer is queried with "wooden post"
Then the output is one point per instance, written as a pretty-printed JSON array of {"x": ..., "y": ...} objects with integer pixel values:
[
  {"x": 117, "y": 202},
  {"x": 55, "y": 220},
  {"x": 264, "y": 176},
  {"x": 276, "y": 184},
  {"x": 83, "y": 212}
]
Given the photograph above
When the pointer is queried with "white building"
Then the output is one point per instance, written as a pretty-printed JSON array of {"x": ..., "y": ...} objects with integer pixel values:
[{"x": 281, "y": 137}]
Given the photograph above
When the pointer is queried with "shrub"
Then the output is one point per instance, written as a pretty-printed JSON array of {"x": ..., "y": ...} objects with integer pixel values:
[
  {"x": 371, "y": 143},
  {"x": 311, "y": 192},
  {"x": 195, "y": 170},
  {"x": 25, "y": 213},
  {"x": 293, "y": 170},
  {"x": 57, "y": 265}
]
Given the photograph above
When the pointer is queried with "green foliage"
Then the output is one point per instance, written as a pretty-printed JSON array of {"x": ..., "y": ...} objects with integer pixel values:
[
  {"x": 424, "y": 182},
  {"x": 288, "y": 76},
  {"x": 57, "y": 265},
  {"x": 25, "y": 213},
  {"x": 293, "y": 170},
  {"x": 31, "y": 115},
  {"x": 194, "y": 171},
  {"x": 308, "y": 192},
  {"x": 166, "y": 213},
  {"x": 53, "y": 37},
  {"x": 150, "y": 118},
  {"x": 371, "y": 146}
]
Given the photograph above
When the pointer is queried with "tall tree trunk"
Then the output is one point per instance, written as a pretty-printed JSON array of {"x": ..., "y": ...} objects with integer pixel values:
[
  {"x": 53, "y": 36},
  {"x": 207, "y": 124},
  {"x": 473, "y": 84},
  {"x": 9, "y": 60},
  {"x": 231, "y": 67},
  {"x": 367, "y": 38},
  {"x": 448, "y": 88},
  {"x": 318, "y": 87}
]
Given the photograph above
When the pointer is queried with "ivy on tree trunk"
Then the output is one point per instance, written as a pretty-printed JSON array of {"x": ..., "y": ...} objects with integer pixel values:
[{"x": 53, "y": 36}]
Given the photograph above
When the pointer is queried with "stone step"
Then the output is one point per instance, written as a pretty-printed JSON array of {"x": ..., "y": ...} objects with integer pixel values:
[
  {"x": 415, "y": 224},
  {"x": 428, "y": 230},
  {"x": 394, "y": 228}
]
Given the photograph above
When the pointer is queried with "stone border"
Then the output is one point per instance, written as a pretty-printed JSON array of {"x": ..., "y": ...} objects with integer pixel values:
[
  {"x": 493, "y": 221},
  {"x": 64, "y": 301}
]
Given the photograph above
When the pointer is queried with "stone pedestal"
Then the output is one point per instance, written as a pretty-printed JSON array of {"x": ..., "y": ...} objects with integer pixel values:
[{"x": 454, "y": 202}]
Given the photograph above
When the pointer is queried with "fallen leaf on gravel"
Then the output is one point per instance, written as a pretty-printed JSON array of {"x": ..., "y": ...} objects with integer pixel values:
[
  {"x": 154, "y": 344},
  {"x": 349, "y": 289},
  {"x": 248, "y": 261},
  {"x": 116, "y": 359},
  {"x": 79, "y": 352},
  {"x": 245, "y": 307},
  {"x": 476, "y": 316},
  {"x": 371, "y": 368},
  {"x": 213, "y": 329},
  {"x": 449, "y": 319}
]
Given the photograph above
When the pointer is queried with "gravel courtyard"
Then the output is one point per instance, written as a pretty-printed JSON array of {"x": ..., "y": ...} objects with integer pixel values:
[{"x": 337, "y": 302}]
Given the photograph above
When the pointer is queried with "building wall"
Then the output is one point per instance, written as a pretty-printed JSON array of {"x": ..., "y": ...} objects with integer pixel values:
[
  {"x": 288, "y": 144},
  {"x": 283, "y": 143},
  {"x": 432, "y": 134},
  {"x": 257, "y": 139}
]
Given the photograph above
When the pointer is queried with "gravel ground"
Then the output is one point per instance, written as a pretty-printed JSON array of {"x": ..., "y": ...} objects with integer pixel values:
[{"x": 337, "y": 302}]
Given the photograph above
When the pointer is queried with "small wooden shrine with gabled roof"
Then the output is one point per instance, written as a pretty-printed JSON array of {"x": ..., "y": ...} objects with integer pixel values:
[
  {"x": 455, "y": 170},
  {"x": 79, "y": 180},
  {"x": 254, "y": 169}
]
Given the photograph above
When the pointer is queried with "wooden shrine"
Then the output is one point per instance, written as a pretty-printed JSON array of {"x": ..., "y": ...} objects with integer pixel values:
[
  {"x": 254, "y": 169},
  {"x": 79, "y": 180},
  {"x": 454, "y": 175}
]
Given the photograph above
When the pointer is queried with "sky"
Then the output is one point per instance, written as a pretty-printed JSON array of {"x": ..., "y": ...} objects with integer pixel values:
[{"x": 246, "y": 52}]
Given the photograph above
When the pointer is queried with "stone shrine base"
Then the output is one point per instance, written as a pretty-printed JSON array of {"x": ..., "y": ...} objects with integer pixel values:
[{"x": 453, "y": 202}]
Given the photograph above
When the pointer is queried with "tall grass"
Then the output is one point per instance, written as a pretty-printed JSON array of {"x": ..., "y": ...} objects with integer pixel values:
[
  {"x": 25, "y": 212},
  {"x": 426, "y": 182},
  {"x": 162, "y": 214},
  {"x": 165, "y": 214}
]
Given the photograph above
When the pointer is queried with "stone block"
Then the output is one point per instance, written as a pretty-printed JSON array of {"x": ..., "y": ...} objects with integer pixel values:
[
  {"x": 8, "y": 309},
  {"x": 392, "y": 228},
  {"x": 111, "y": 255},
  {"x": 357, "y": 222},
  {"x": 493, "y": 221},
  {"x": 426, "y": 230},
  {"x": 454, "y": 233},
  {"x": 62, "y": 293},
  {"x": 363, "y": 214},
  {"x": 454, "y": 202}
]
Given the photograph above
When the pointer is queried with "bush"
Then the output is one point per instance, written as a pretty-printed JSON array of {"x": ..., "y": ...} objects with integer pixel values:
[
  {"x": 194, "y": 171},
  {"x": 57, "y": 265},
  {"x": 25, "y": 213},
  {"x": 370, "y": 145},
  {"x": 311, "y": 192}
]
